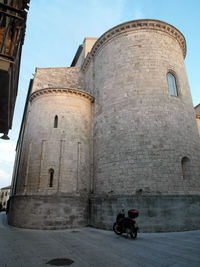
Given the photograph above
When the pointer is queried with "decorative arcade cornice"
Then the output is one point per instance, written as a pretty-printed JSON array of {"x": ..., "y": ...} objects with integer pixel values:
[
  {"x": 133, "y": 26},
  {"x": 62, "y": 90}
]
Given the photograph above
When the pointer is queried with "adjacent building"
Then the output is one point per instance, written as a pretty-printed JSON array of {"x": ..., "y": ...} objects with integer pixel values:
[
  {"x": 4, "y": 196},
  {"x": 197, "y": 112},
  {"x": 12, "y": 31}
]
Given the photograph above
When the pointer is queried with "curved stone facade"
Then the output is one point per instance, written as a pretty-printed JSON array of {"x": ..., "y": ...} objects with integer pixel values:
[
  {"x": 136, "y": 25},
  {"x": 49, "y": 212},
  {"x": 54, "y": 177},
  {"x": 119, "y": 130},
  {"x": 141, "y": 132},
  {"x": 65, "y": 149}
]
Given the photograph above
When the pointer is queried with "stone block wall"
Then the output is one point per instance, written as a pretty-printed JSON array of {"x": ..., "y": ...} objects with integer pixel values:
[
  {"x": 141, "y": 132},
  {"x": 64, "y": 149},
  {"x": 89, "y": 79},
  {"x": 48, "y": 212},
  {"x": 119, "y": 135},
  {"x": 156, "y": 213},
  {"x": 58, "y": 77}
]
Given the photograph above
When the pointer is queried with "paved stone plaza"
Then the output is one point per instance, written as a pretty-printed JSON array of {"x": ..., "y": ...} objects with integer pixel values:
[{"x": 93, "y": 247}]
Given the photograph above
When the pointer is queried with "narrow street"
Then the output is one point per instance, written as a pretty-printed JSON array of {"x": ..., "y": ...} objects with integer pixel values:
[{"x": 88, "y": 246}]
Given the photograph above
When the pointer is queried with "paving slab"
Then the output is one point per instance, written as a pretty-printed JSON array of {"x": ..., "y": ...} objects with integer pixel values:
[{"x": 95, "y": 247}]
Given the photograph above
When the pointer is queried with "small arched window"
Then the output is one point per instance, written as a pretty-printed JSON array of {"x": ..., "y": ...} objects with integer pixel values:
[
  {"x": 51, "y": 176},
  {"x": 172, "y": 86},
  {"x": 185, "y": 163},
  {"x": 56, "y": 122}
]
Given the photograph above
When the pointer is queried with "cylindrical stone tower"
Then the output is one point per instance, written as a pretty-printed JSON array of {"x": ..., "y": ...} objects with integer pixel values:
[
  {"x": 54, "y": 168},
  {"x": 58, "y": 142},
  {"x": 145, "y": 135},
  {"x": 143, "y": 131}
]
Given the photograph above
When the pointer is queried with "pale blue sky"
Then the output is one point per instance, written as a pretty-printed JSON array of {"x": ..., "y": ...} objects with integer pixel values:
[{"x": 55, "y": 28}]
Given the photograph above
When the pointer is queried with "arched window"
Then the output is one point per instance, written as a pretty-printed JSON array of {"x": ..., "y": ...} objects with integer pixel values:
[
  {"x": 56, "y": 122},
  {"x": 51, "y": 174},
  {"x": 185, "y": 163},
  {"x": 172, "y": 86}
]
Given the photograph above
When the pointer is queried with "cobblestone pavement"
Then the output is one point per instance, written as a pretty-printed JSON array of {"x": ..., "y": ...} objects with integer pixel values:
[{"x": 93, "y": 247}]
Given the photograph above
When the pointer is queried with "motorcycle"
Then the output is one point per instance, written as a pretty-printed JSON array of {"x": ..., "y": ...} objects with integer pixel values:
[{"x": 126, "y": 224}]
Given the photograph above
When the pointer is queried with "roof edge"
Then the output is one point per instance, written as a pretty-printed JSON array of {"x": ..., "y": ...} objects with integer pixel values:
[{"x": 136, "y": 25}]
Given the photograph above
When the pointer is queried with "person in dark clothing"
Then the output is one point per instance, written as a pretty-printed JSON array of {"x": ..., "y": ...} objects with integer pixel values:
[{"x": 8, "y": 206}]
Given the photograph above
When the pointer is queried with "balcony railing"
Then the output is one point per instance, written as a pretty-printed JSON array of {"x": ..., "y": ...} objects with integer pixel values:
[{"x": 12, "y": 26}]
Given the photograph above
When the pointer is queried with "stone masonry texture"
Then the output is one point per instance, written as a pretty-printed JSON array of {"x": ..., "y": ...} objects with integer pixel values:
[
  {"x": 141, "y": 133},
  {"x": 120, "y": 137}
]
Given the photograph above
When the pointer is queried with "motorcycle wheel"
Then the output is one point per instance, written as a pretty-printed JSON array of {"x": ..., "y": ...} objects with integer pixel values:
[
  {"x": 116, "y": 229},
  {"x": 133, "y": 234}
]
